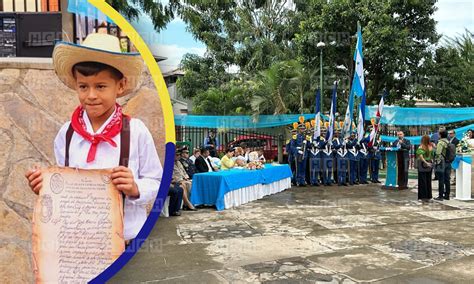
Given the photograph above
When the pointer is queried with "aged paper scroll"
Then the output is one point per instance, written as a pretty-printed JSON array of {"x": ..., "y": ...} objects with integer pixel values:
[{"x": 77, "y": 225}]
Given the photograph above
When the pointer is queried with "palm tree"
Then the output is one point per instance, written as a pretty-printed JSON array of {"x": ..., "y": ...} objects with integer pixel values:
[{"x": 278, "y": 89}]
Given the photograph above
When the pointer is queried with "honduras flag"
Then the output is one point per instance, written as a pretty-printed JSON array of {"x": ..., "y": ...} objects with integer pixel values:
[
  {"x": 358, "y": 82},
  {"x": 317, "y": 119},
  {"x": 378, "y": 116},
  {"x": 330, "y": 132},
  {"x": 360, "y": 126},
  {"x": 347, "y": 127}
]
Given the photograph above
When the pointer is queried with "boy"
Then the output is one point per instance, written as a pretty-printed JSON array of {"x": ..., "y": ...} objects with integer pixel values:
[{"x": 100, "y": 73}]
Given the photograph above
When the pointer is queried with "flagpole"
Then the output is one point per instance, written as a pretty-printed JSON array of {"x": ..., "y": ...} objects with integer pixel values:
[{"x": 321, "y": 45}]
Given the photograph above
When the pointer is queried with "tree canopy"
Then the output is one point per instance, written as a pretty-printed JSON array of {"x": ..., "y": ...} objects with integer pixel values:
[{"x": 272, "y": 45}]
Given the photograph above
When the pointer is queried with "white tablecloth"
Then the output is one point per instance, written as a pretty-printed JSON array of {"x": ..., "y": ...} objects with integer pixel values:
[{"x": 244, "y": 195}]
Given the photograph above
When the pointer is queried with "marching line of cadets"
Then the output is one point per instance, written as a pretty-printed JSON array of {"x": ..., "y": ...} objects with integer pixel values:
[{"x": 315, "y": 161}]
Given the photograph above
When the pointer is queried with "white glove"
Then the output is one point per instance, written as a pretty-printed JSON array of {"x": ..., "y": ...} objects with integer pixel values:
[{"x": 300, "y": 152}]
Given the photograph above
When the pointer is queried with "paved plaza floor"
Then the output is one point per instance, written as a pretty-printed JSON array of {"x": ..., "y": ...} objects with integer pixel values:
[{"x": 314, "y": 235}]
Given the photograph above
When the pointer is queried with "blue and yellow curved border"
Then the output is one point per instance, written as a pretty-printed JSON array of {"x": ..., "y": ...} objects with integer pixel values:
[{"x": 147, "y": 56}]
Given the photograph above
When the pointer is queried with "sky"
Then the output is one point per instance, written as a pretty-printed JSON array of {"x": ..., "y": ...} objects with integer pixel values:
[{"x": 453, "y": 17}]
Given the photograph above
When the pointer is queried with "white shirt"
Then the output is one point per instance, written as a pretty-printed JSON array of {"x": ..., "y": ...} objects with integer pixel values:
[
  {"x": 209, "y": 164},
  {"x": 193, "y": 159},
  {"x": 253, "y": 156},
  {"x": 144, "y": 163}
]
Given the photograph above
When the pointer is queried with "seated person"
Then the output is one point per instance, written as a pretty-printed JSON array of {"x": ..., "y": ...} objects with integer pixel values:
[
  {"x": 240, "y": 161},
  {"x": 216, "y": 162},
  {"x": 181, "y": 178},
  {"x": 246, "y": 151},
  {"x": 187, "y": 163},
  {"x": 238, "y": 151},
  {"x": 261, "y": 156},
  {"x": 176, "y": 197},
  {"x": 203, "y": 162},
  {"x": 254, "y": 156},
  {"x": 226, "y": 161},
  {"x": 196, "y": 154}
]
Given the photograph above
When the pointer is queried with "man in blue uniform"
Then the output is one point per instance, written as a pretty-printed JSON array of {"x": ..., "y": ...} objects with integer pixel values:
[
  {"x": 301, "y": 155},
  {"x": 309, "y": 140},
  {"x": 290, "y": 149},
  {"x": 375, "y": 156},
  {"x": 327, "y": 160},
  {"x": 353, "y": 157},
  {"x": 342, "y": 164},
  {"x": 336, "y": 145},
  {"x": 315, "y": 160}
]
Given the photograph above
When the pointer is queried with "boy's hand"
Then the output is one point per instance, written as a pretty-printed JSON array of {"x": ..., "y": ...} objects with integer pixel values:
[
  {"x": 123, "y": 180},
  {"x": 35, "y": 179}
]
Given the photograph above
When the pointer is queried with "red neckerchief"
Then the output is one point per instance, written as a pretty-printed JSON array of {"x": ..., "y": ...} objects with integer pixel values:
[{"x": 110, "y": 131}]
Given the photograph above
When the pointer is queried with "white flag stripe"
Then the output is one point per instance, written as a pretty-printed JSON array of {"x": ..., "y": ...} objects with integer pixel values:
[
  {"x": 360, "y": 127},
  {"x": 317, "y": 126},
  {"x": 359, "y": 68}
]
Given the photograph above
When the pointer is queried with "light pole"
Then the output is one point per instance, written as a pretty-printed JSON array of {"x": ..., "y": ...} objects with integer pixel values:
[{"x": 321, "y": 45}]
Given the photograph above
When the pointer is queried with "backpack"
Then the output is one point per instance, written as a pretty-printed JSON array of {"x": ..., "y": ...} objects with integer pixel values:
[{"x": 450, "y": 153}]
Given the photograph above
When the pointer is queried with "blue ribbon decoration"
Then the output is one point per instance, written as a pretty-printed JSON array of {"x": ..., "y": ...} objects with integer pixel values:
[{"x": 459, "y": 158}]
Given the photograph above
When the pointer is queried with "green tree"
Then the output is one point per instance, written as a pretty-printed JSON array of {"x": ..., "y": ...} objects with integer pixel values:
[
  {"x": 201, "y": 74},
  {"x": 160, "y": 14},
  {"x": 280, "y": 89},
  {"x": 450, "y": 78},
  {"x": 398, "y": 35},
  {"x": 249, "y": 34},
  {"x": 230, "y": 99}
]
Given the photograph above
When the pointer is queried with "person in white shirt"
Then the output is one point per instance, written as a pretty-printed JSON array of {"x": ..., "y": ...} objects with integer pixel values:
[
  {"x": 246, "y": 152},
  {"x": 253, "y": 156},
  {"x": 196, "y": 154},
  {"x": 99, "y": 76}
]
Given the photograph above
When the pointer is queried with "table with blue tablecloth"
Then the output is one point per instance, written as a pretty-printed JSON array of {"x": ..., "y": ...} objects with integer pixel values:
[{"x": 230, "y": 188}]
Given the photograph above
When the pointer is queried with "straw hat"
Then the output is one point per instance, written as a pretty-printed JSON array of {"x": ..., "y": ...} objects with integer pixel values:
[{"x": 97, "y": 47}]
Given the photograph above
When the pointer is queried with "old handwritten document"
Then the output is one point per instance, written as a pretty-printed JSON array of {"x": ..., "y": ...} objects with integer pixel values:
[{"x": 77, "y": 225}]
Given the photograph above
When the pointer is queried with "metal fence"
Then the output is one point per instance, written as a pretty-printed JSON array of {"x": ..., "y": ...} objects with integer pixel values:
[
  {"x": 193, "y": 137},
  {"x": 253, "y": 138}
]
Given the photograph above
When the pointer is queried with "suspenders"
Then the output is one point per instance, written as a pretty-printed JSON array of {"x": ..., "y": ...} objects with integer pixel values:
[{"x": 124, "y": 145}]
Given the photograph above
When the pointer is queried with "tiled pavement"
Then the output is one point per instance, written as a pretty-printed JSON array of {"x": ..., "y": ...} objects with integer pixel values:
[{"x": 314, "y": 235}]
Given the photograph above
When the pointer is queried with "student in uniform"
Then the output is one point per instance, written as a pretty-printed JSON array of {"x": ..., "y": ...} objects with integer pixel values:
[
  {"x": 327, "y": 160},
  {"x": 374, "y": 157},
  {"x": 342, "y": 164},
  {"x": 353, "y": 156},
  {"x": 315, "y": 160},
  {"x": 290, "y": 149},
  {"x": 336, "y": 145},
  {"x": 301, "y": 155},
  {"x": 98, "y": 131}
]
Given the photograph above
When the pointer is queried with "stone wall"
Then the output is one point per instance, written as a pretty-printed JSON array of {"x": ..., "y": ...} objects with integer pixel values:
[{"x": 33, "y": 106}]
